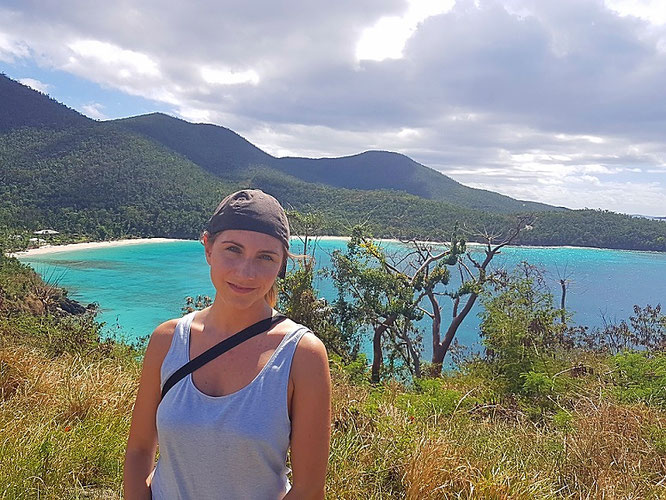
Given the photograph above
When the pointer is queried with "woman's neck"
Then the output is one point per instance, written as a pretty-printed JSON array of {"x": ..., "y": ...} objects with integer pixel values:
[{"x": 223, "y": 320}]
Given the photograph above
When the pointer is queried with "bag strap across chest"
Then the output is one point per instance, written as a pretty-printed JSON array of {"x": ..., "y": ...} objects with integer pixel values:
[{"x": 220, "y": 348}]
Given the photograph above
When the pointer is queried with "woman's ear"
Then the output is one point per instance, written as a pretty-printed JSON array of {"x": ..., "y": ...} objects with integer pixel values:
[{"x": 207, "y": 243}]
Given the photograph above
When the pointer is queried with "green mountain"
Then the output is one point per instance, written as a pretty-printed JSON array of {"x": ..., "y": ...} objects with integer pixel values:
[
  {"x": 219, "y": 150},
  {"x": 228, "y": 155},
  {"x": 21, "y": 106},
  {"x": 113, "y": 179},
  {"x": 103, "y": 182}
]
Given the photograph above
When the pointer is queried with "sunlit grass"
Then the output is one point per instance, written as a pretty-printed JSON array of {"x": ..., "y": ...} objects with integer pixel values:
[{"x": 65, "y": 419}]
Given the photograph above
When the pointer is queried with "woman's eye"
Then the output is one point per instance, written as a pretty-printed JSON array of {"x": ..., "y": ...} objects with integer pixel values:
[
  {"x": 234, "y": 249},
  {"x": 267, "y": 257}
]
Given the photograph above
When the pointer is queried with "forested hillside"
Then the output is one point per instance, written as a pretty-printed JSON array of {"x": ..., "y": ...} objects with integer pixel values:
[
  {"x": 100, "y": 180},
  {"x": 226, "y": 154},
  {"x": 20, "y": 106},
  {"x": 597, "y": 228}
]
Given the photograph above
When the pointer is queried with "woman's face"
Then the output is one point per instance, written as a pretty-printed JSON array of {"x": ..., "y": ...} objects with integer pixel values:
[{"x": 243, "y": 265}]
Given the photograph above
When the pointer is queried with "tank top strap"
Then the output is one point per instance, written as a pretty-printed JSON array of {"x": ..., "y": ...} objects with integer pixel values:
[
  {"x": 179, "y": 351},
  {"x": 288, "y": 345},
  {"x": 280, "y": 363}
]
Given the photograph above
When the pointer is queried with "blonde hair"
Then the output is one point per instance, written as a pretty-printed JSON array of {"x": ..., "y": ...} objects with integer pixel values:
[{"x": 272, "y": 294}]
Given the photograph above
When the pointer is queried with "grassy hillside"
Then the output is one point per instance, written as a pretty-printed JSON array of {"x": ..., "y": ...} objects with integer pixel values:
[{"x": 602, "y": 433}]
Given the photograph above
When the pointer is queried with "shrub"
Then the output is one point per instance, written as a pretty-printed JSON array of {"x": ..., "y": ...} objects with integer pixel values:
[
  {"x": 522, "y": 333},
  {"x": 640, "y": 377}
]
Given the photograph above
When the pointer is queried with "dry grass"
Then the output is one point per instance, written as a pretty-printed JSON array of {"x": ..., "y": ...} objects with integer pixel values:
[
  {"x": 379, "y": 451},
  {"x": 610, "y": 453},
  {"x": 64, "y": 423}
]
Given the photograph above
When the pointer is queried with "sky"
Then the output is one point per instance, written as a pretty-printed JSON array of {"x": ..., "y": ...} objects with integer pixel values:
[{"x": 557, "y": 101}]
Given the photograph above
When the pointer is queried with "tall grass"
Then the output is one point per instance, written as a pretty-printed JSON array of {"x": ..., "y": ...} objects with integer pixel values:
[
  {"x": 65, "y": 419},
  {"x": 64, "y": 424},
  {"x": 597, "y": 449}
]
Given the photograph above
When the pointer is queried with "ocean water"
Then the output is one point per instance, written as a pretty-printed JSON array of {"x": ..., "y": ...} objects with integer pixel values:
[{"x": 139, "y": 286}]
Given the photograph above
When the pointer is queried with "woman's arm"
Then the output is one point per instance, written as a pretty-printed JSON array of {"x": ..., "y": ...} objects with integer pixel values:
[
  {"x": 142, "y": 442},
  {"x": 310, "y": 419}
]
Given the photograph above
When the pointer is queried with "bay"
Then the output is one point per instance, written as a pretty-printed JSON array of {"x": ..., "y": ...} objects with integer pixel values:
[{"x": 139, "y": 286}]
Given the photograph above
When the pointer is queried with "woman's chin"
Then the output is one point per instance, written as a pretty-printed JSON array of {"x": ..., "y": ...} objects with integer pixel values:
[{"x": 242, "y": 300}]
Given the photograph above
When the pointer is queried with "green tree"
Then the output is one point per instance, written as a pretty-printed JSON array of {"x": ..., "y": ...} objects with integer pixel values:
[
  {"x": 521, "y": 330},
  {"x": 371, "y": 292},
  {"x": 298, "y": 297}
]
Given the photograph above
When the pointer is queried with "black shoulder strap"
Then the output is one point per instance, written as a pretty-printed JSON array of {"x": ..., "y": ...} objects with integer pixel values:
[{"x": 220, "y": 348}]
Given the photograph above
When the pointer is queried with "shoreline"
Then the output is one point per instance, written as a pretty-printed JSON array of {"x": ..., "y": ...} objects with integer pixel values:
[{"x": 67, "y": 247}]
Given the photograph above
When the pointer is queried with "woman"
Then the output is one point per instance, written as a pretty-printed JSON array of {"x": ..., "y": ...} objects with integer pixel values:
[{"x": 224, "y": 429}]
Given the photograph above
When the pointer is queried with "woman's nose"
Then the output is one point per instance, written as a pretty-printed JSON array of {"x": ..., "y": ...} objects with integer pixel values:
[{"x": 247, "y": 269}]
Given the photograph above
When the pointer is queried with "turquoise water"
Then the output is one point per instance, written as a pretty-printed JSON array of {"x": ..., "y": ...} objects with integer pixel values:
[{"x": 139, "y": 286}]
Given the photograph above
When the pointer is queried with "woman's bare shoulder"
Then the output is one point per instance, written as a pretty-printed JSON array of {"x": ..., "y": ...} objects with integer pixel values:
[
  {"x": 310, "y": 356},
  {"x": 160, "y": 341},
  {"x": 166, "y": 329}
]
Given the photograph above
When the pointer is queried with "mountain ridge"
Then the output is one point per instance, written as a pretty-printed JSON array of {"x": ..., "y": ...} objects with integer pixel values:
[
  {"x": 224, "y": 152},
  {"x": 22, "y": 106},
  {"x": 103, "y": 180}
]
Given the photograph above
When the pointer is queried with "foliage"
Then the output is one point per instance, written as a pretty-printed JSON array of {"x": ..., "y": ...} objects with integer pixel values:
[
  {"x": 640, "y": 376},
  {"x": 196, "y": 304},
  {"x": 596, "y": 228},
  {"x": 298, "y": 295},
  {"x": 101, "y": 182},
  {"x": 353, "y": 371},
  {"x": 646, "y": 329},
  {"x": 369, "y": 295},
  {"x": 430, "y": 399},
  {"x": 300, "y": 301},
  {"x": 521, "y": 332},
  {"x": 25, "y": 107}
]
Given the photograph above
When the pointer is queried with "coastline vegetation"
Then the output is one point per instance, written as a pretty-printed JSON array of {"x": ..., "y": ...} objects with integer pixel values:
[{"x": 549, "y": 411}]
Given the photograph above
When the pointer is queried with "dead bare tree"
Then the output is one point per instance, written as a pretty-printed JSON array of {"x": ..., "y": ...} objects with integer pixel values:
[
  {"x": 474, "y": 274},
  {"x": 406, "y": 281},
  {"x": 564, "y": 280}
]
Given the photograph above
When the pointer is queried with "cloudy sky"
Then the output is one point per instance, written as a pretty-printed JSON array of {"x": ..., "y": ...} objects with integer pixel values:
[{"x": 559, "y": 101}]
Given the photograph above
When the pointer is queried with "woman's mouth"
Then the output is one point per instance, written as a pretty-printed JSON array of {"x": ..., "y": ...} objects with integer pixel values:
[{"x": 239, "y": 289}]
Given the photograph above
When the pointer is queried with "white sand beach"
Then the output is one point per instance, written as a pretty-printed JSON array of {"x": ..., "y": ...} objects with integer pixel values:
[{"x": 48, "y": 249}]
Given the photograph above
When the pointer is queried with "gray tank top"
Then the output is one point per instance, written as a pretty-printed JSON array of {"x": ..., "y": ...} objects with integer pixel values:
[{"x": 228, "y": 447}]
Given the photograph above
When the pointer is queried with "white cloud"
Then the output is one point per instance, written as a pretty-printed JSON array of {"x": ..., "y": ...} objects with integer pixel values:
[
  {"x": 653, "y": 11},
  {"x": 94, "y": 111},
  {"x": 35, "y": 84},
  {"x": 11, "y": 49},
  {"x": 195, "y": 115},
  {"x": 227, "y": 77},
  {"x": 127, "y": 63},
  {"x": 387, "y": 37}
]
